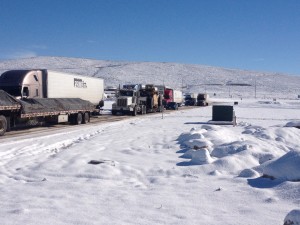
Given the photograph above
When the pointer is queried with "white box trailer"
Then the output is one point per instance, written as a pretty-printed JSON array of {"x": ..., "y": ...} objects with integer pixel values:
[
  {"x": 178, "y": 98},
  {"x": 52, "y": 84},
  {"x": 62, "y": 85}
]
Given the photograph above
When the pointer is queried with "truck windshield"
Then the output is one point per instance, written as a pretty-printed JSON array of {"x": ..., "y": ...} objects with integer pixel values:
[
  {"x": 12, "y": 80},
  {"x": 12, "y": 77},
  {"x": 144, "y": 93},
  {"x": 201, "y": 97},
  {"x": 14, "y": 91},
  {"x": 126, "y": 93}
]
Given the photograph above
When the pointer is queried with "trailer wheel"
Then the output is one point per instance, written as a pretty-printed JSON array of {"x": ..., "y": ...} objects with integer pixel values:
[
  {"x": 79, "y": 119},
  {"x": 86, "y": 118},
  {"x": 76, "y": 119},
  {"x": 3, "y": 125}
]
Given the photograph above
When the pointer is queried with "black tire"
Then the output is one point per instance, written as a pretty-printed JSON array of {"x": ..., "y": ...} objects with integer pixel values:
[
  {"x": 3, "y": 125},
  {"x": 86, "y": 118},
  {"x": 79, "y": 119},
  {"x": 76, "y": 119},
  {"x": 114, "y": 112}
]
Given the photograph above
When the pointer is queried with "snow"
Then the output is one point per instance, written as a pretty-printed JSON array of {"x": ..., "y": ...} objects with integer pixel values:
[
  {"x": 286, "y": 167},
  {"x": 175, "y": 168},
  {"x": 154, "y": 169},
  {"x": 293, "y": 218}
]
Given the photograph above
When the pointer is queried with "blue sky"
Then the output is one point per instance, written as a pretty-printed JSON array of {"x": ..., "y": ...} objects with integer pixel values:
[{"x": 261, "y": 35}]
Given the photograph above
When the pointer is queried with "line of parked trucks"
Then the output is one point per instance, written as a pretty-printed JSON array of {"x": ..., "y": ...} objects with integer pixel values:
[
  {"x": 142, "y": 99},
  {"x": 45, "y": 96},
  {"x": 193, "y": 99}
]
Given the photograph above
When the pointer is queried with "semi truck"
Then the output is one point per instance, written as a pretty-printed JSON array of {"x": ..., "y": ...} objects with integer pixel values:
[
  {"x": 202, "y": 99},
  {"x": 172, "y": 95},
  {"x": 45, "y": 96},
  {"x": 149, "y": 96},
  {"x": 133, "y": 99},
  {"x": 190, "y": 99},
  {"x": 128, "y": 101}
]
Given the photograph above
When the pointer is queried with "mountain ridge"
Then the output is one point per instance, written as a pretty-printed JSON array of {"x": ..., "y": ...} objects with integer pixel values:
[{"x": 188, "y": 77}]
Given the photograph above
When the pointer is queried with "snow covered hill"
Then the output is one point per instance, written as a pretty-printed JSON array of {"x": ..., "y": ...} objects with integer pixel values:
[{"x": 190, "y": 78}]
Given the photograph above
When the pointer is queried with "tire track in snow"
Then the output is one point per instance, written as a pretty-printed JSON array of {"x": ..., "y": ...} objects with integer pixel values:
[{"x": 13, "y": 158}]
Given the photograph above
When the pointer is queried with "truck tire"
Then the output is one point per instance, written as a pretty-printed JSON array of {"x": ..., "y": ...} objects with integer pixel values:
[
  {"x": 114, "y": 112},
  {"x": 76, "y": 119},
  {"x": 86, "y": 118},
  {"x": 3, "y": 125},
  {"x": 79, "y": 119}
]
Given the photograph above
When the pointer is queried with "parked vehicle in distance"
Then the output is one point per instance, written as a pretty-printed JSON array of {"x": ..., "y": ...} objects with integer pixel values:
[
  {"x": 137, "y": 98},
  {"x": 172, "y": 95},
  {"x": 202, "y": 100},
  {"x": 172, "y": 106},
  {"x": 128, "y": 101},
  {"x": 110, "y": 92},
  {"x": 150, "y": 97},
  {"x": 190, "y": 99}
]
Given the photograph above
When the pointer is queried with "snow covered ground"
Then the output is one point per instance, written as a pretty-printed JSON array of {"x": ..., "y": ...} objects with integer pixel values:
[{"x": 175, "y": 169}]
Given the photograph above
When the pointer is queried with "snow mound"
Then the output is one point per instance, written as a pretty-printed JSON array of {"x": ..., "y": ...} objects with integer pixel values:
[
  {"x": 201, "y": 157},
  {"x": 230, "y": 148},
  {"x": 238, "y": 151},
  {"x": 248, "y": 173},
  {"x": 199, "y": 144},
  {"x": 292, "y": 218},
  {"x": 286, "y": 167},
  {"x": 293, "y": 124}
]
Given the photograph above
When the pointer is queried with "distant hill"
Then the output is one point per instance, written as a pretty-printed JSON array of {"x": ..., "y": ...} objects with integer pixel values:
[{"x": 189, "y": 78}]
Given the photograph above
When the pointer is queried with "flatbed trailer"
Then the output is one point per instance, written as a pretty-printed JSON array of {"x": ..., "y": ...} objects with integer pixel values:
[{"x": 14, "y": 112}]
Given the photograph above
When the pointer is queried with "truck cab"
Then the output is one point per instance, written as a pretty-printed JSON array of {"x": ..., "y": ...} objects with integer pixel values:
[
  {"x": 168, "y": 96},
  {"x": 127, "y": 101},
  {"x": 22, "y": 83},
  {"x": 190, "y": 99}
]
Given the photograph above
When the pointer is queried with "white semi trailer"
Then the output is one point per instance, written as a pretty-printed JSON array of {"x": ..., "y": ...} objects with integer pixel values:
[{"x": 52, "y": 84}]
